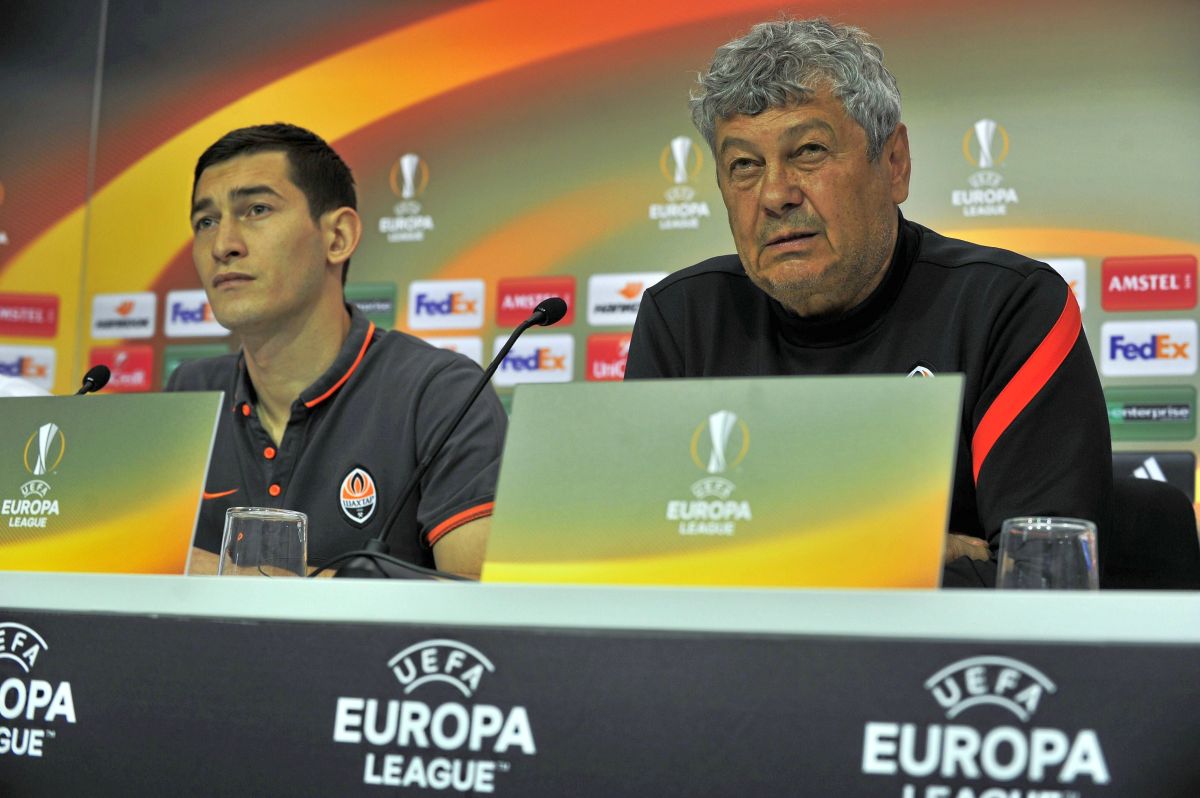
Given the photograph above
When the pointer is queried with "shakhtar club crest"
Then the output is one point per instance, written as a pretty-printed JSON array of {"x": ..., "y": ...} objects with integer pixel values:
[{"x": 358, "y": 496}]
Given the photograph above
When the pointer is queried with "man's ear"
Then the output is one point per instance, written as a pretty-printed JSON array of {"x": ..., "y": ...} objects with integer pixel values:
[
  {"x": 899, "y": 163},
  {"x": 343, "y": 230}
]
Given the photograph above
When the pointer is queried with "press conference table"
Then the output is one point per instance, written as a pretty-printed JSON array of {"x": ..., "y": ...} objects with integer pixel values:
[{"x": 119, "y": 685}]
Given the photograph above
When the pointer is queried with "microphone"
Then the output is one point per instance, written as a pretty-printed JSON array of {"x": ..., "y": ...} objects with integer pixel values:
[
  {"x": 95, "y": 379},
  {"x": 366, "y": 562}
]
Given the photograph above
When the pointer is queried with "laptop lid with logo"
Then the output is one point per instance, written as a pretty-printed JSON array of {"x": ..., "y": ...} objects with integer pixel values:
[
  {"x": 108, "y": 483},
  {"x": 780, "y": 481}
]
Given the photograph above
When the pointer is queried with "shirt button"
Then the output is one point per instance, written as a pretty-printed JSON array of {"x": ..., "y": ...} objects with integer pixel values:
[
  {"x": 269, "y": 453},
  {"x": 245, "y": 408},
  {"x": 275, "y": 490}
]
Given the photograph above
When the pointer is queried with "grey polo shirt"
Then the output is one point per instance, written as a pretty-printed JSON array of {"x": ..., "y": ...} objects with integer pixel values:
[{"x": 353, "y": 439}]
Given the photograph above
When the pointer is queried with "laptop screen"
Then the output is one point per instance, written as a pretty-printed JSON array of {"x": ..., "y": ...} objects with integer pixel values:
[
  {"x": 779, "y": 481},
  {"x": 103, "y": 483}
]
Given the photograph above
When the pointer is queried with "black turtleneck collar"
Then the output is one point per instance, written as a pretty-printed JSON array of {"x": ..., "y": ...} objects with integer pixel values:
[{"x": 862, "y": 318}]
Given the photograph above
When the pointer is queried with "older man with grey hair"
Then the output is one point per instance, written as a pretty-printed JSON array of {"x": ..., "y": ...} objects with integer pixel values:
[{"x": 812, "y": 161}]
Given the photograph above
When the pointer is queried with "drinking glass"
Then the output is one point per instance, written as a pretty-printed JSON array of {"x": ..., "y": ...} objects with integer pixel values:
[
  {"x": 262, "y": 541},
  {"x": 1046, "y": 553}
]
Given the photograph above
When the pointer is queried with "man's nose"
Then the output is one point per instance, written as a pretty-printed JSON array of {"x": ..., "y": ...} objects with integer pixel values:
[
  {"x": 781, "y": 190},
  {"x": 228, "y": 243}
]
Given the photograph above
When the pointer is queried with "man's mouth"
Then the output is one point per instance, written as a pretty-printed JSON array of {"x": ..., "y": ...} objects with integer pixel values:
[
  {"x": 784, "y": 238},
  {"x": 230, "y": 277}
]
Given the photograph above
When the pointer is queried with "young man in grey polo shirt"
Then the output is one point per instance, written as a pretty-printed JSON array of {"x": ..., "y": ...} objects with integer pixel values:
[{"x": 324, "y": 413}]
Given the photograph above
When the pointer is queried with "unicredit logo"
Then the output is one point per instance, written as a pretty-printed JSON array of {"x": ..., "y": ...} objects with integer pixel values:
[{"x": 1139, "y": 348}]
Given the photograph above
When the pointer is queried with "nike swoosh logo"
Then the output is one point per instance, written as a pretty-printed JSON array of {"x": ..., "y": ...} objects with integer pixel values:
[{"x": 208, "y": 495}]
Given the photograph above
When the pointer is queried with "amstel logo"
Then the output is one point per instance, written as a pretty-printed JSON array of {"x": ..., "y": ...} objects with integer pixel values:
[{"x": 44, "y": 450}]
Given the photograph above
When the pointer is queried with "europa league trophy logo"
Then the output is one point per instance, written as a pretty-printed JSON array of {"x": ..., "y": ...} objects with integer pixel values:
[
  {"x": 681, "y": 147},
  {"x": 985, "y": 133},
  {"x": 720, "y": 425},
  {"x": 408, "y": 173}
]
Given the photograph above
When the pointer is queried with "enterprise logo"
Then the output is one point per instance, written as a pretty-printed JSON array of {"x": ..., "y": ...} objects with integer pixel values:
[
  {"x": 445, "y": 304},
  {"x": 188, "y": 315},
  {"x": 536, "y": 358},
  {"x": 1144, "y": 348}
]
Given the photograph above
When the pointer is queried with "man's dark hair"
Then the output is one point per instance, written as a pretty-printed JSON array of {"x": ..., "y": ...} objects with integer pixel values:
[{"x": 318, "y": 171}]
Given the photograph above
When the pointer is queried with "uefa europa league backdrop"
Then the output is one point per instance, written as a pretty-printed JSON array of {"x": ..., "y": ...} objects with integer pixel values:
[{"x": 509, "y": 149}]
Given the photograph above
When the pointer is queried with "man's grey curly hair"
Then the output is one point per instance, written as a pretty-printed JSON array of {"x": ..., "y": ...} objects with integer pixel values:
[{"x": 779, "y": 63}]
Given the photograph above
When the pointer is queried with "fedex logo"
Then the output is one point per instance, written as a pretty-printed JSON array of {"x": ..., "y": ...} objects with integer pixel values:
[
  {"x": 190, "y": 316},
  {"x": 1149, "y": 283},
  {"x": 606, "y": 356},
  {"x": 1138, "y": 348},
  {"x": 445, "y": 304},
  {"x": 537, "y": 358},
  {"x": 32, "y": 363}
]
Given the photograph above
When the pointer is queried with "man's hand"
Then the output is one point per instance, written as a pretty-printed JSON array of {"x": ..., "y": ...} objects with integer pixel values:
[{"x": 965, "y": 546}]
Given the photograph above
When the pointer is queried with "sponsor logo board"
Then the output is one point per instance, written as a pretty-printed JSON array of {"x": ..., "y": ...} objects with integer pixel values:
[
  {"x": 1148, "y": 348},
  {"x": 32, "y": 363},
  {"x": 1155, "y": 413},
  {"x": 613, "y": 299},
  {"x": 445, "y": 304},
  {"x": 131, "y": 366},
  {"x": 469, "y": 345},
  {"x": 29, "y": 315},
  {"x": 1074, "y": 271},
  {"x": 536, "y": 358},
  {"x": 124, "y": 315},
  {"x": 376, "y": 301},
  {"x": 607, "y": 354},
  {"x": 1148, "y": 283},
  {"x": 1174, "y": 468},
  {"x": 182, "y": 353},
  {"x": 517, "y": 297},
  {"x": 189, "y": 315}
]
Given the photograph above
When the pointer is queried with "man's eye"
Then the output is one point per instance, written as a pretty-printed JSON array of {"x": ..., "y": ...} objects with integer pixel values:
[
  {"x": 203, "y": 223},
  {"x": 740, "y": 166},
  {"x": 811, "y": 150},
  {"x": 257, "y": 209}
]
